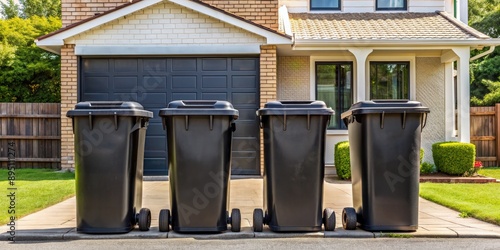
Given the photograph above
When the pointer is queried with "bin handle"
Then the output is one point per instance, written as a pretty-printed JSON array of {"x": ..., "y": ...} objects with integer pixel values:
[
  {"x": 138, "y": 124},
  {"x": 116, "y": 121},
  {"x": 211, "y": 125},
  {"x": 404, "y": 119},
  {"x": 284, "y": 121},
  {"x": 260, "y": 122},
  {"x": 308, "y": 121},
  {"x": 424, "y": 118},
  {"x": 90, "y": 121},
  {"x": 382, "y": 115},
  {"x": 233, "y": 126},
  {"x": 186, "y": 119}
]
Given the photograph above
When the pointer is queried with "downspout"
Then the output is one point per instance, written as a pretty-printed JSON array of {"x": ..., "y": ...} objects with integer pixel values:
[
  {"x": 455, "y": 8},
  {"x": 489, "y": 51}
]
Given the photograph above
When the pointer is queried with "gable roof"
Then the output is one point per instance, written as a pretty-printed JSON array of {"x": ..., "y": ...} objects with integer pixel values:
[
  {"x": 438, "y": 27},
  {"x": 53, "y": 41}
]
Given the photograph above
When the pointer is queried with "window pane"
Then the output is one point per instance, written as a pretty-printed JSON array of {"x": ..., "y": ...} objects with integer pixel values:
[
  {"x": 333, "y": 86},
  {"x": 325, "y": 4},
  {"x": 389, "y": 80},
  {"x": 391, "y": 4}
]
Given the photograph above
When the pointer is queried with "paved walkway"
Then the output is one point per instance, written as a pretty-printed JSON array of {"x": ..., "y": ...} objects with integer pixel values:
[{"x": 58, "y": 222}]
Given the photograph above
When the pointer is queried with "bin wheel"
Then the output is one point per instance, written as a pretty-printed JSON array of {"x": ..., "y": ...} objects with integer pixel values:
[
  {"x": 329, "y": 219},
  {"x": 164, "y": 220},
  {"x": 235, "y": 220},
  {"x": 258, "y": 220},
  {"x": 349, "y": 218},
  {"x": 144, "y": 219}
]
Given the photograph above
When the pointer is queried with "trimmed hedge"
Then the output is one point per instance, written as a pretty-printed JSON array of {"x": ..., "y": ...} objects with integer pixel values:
[
  {"x": 342, "y": 160},
  {"x": 427, "y": 168},
  {"x": 454, "y": 158}
]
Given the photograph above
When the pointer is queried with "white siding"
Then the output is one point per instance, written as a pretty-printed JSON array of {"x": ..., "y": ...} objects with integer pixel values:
[{"x": 356, "y": 6}]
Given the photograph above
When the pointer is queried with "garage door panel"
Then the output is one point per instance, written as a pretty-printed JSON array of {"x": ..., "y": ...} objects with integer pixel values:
[
  {"x": 244, "y": 65},
  {"x": 184, "y": 64},
  {"x": 96, "y": 84},
  {"x": 126, "y": 66},
  {"x": 244, "y": 82},
  {"x": 244, "y": 98},
  {"x": 214, "y": 96},
  {"x": 154, "y": 82},
  {"x": 128, "y": 83},
  {"x": 184, "y": 82},
  {"x": 209, "y": 82}
]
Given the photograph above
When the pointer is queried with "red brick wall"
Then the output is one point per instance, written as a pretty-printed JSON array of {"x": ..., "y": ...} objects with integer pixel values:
[{"x": 77, "y": 10}]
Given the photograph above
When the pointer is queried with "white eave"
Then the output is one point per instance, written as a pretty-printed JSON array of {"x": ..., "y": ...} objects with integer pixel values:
[{"x": 54, "y": 42}]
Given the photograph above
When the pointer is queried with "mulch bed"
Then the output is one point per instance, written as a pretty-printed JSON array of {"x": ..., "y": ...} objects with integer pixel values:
[{"x": 444, "y": 178}]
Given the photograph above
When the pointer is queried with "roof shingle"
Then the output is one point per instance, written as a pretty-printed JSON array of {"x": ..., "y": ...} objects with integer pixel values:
[{"x": 380, "y": 26}]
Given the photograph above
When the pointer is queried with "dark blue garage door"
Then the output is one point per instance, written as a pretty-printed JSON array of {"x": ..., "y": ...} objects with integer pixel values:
[{"x": 154, "y": 82}]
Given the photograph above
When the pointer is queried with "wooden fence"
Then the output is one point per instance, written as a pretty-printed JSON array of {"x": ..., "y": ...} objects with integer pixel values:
[
  {"x": 35, "y": 129},
  {"x": 484, "y": 133}
]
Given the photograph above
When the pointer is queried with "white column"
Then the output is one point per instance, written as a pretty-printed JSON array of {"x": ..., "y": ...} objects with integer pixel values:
[
  {"x": 463, "y": 93},
  {"x": 463, "y": 11},
  {"x": 449, "y": 99},
  {"x": 360, "y": 88}
]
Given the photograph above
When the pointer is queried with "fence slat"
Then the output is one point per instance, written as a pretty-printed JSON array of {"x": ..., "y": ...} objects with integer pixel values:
[{"x": 35, "y": 130}]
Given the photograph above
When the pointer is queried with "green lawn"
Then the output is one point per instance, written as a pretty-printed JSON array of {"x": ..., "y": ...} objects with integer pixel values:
[
  {"x": 35, "y": 189},
  {"x": 490, "y": 172},
  {"x": 481, "y": 201}
]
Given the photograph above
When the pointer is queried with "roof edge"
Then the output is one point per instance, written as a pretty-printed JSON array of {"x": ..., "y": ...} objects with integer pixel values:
[{"x": 461, "y": 25}]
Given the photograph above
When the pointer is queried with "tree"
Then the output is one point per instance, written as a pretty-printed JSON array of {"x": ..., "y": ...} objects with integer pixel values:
[
  {"x": 43, "y": 8},
  {"x": 10, "y": 9},
  {"x": 484, "y": 15},
  {"x": 28, "y": 73}
]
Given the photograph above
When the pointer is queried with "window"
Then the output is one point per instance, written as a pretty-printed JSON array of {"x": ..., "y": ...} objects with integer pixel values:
[
  {"x": 334, "y": 87},
  {"x": 325, "y": 4},
  {"x": 389, "y": 80},
  {"x": 391, "y": 4}
]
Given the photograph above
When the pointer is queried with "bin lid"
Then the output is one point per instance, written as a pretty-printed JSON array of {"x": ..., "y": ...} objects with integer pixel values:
[
  {"x": 105, "y": 108},
  {"x": 385, "y": 106},
  {"x": 199, "y": 107},
  {"x": 295, "y": 108}
]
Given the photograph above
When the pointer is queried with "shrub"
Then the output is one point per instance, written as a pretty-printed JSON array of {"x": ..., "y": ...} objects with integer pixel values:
[
  {"x": 427, "y": 168},
  {"x": 342, "y": 160},
  {"x": 421, "y": 155},
  {"x": 454, "y": 158}
]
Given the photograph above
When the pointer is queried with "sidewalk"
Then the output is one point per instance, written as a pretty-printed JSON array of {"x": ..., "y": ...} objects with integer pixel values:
[{"x": 58, "y": 222}]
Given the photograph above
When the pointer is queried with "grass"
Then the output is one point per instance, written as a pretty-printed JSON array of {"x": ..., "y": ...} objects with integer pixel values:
[
  {"x": 35, "y": 189},
  {"x": 481, "y": 201},
  {"x": 490, "y": 172}
]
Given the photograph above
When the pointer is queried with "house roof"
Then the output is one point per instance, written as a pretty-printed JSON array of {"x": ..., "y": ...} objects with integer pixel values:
[
  {"x": 53, "y": 41},
  {"x": 380, "y": 26}
]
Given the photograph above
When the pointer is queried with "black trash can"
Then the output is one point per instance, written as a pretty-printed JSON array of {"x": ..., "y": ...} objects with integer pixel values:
[
  {"x": 109, "y": 156},
  {"x": 199, "y": 139},
  {"x": 294, "y": 167},
  {"x": 384, "y": 140}
]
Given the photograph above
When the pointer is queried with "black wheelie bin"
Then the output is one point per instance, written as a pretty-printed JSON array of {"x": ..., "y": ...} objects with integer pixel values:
[
  {"x": 199, "y": 139},
  {"x": 109, "y": 156},
  {"x": 384, "y": 140},
  {"x": 294, "y": 167}
]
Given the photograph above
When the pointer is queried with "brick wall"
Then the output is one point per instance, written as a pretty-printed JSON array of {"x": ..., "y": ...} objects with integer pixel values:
[
  {"x": 268, "y": 82},
  {"x": 264, "y": 12},
  {"x": 68, "y": 101},
  {"x": 77, "y": 10},
  {"x": 293, "y": 78}
]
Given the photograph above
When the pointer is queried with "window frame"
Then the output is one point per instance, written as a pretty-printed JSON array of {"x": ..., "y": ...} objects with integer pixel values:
[
  {"x": 404, "y": 8},
  {"x": 409, "y": 76},
  {"x": 324, "y": 8},
  {"x": 339, "y": 101}
]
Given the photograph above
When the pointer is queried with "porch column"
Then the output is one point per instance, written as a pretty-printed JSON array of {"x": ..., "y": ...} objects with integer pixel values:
[
  {"x": 463, "y": 93},
  {"x": 449, "y": 99},
  {"x": 360, "y": 87}
]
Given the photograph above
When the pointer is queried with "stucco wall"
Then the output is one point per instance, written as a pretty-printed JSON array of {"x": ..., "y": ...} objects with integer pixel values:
[
  {"x": 431, "y": 92},
  {"x": 166, "y": 23},
  {"x": 293, "y": 78}
]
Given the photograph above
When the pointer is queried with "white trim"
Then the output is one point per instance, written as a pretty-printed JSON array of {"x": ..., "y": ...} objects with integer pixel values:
[
  {"x": 394, "y": 44},
  {"x": 402, "y": 58},
  {"x": 463, "y": 93},
  {"x": 283, "y": 17},
  {"x": 337, "y": 131},
  {"x": 246, "y": 49},
  {"x": 449, "y": 102}
]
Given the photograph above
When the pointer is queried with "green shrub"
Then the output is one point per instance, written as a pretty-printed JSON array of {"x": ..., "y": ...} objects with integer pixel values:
[
  {"x": 421, "y": 155},
  {"x": 342, "y": 160},
  {"x": 453, "y": 158},
  {"x": 427, "y": 168}
]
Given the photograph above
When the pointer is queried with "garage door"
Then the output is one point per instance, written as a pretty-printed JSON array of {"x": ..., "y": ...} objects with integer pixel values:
[{"x": 154, "y": 82}]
